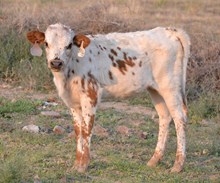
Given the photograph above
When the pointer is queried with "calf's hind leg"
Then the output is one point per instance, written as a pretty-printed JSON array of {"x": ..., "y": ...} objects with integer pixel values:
[
  {"x": 164, "y": 121},
  {"x": 177, "y": 108}
]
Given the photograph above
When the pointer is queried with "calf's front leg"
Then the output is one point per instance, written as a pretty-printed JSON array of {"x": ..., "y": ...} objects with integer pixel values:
[{"x": 83, "y": 133}]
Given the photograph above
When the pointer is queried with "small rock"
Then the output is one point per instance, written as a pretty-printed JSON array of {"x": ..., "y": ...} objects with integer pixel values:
[
  {"x": 50, "y": 104},
  {"x": 71, "y": 135},
  {"x": 58, "y": 130},
  {"x": 100, "y": 131},
  {"x": 144, "y": 135},
  {"x": 205, "y": 151},
  {"x": 124, "y": 130},
  {"x": 31, "y": 128},
  {"x": 51, "y": 114}
]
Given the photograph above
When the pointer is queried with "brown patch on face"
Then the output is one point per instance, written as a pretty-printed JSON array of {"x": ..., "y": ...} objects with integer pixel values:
[
  {"x": 140, "y": 64},
  {"x": 114, "y": 52},
  {"x": 118, "y": 48},
  {"x": 110, "y": 75}
]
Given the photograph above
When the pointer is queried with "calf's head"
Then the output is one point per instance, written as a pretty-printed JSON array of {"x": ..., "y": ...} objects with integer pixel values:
[{"x": 61, "y": 45}]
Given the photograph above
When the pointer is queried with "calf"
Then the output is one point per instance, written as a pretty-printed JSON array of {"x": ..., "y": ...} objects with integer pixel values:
[{"x": 118, "y": 64}]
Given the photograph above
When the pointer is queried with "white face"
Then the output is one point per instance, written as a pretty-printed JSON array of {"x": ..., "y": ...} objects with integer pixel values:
[{"x": 58, "y": 43}]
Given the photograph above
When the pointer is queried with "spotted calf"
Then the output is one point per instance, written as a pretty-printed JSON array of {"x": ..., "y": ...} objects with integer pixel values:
[{"x": 118, "y": 64}]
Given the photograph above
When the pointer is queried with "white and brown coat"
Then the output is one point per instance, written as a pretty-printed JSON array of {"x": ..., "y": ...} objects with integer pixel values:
[{"x": 119, "y": 64}]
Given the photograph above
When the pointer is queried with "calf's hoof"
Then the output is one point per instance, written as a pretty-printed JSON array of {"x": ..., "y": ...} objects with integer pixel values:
[
  {"x": 154, "y": 160},
  {"x": 80, "y": 168},
  {"x": 176, "y": 168}
]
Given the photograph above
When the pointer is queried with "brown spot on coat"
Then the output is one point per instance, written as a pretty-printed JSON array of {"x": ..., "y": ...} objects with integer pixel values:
[
  {"x": 68, "y": 73},
  {"x": 100, "y": 47},
  {"x": 111, "y": 57},
  {"x": 83, "y": 82},
  {"x": 114, "y": 52},
  {"x": 121, "y": 66},
  {"x": 92, "y": 91},
  {"x": 134, "y": 58},
  {"x": 110, "y": 75},
  {"x": 140, "y": 64}
]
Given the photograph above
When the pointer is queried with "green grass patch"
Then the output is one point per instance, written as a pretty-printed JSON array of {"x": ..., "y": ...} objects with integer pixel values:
[{"x": 18, "y": 106}]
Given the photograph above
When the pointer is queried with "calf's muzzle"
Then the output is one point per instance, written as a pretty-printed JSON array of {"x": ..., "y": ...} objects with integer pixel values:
[{"x": 56, "y": 64}]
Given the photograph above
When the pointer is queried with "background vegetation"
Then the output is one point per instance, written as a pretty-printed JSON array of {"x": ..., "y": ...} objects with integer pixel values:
[{"x": 200, "y": 19}]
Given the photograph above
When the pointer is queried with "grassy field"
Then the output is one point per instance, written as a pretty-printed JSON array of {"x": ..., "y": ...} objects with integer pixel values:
[{"x": 117, "y": 156}]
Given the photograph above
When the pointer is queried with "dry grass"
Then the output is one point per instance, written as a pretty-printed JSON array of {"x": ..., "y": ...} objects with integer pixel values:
[{"x": 198, "y": 18}]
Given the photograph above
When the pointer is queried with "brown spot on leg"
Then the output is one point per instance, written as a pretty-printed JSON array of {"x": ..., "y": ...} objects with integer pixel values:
[
  {"x": 92, "y": 91},
  {"x": 83, "y": 82}
]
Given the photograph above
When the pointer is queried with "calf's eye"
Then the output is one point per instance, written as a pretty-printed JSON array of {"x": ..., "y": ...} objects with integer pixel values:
[{"x": 69, "y": 46}]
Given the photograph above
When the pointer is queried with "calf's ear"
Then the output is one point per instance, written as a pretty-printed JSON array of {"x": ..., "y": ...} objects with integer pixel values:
[
  {"x": 36, "y": 37},
  {"x": 81, "y": 39}
]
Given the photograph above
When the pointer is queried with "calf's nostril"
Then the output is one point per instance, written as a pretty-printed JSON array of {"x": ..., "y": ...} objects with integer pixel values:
[{"x": 56, "y": 64}]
